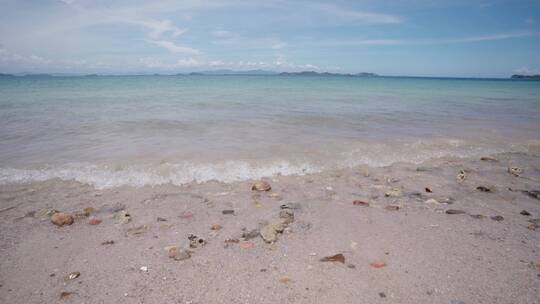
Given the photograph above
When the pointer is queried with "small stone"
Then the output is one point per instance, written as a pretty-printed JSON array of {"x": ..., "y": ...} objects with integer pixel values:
[
  {"x": 122, "y": 217},
  {"x": 66, "y": 294},
  {"x": 60, "y": 219},
  {"x": 44, "y": 213},
  {"x": 485, "y": 188},
  {"x": 94, "y": 221},
  {"x": 497, "y": 218},
  {"x": 269, "y": 232},
  {"x": 515, "y": 171},
  {"x": 216, "y": 227},
  {"x": 432, "y": 201},
  {"x": 462, "y": 175},
  {"x": 228, "y": 212},
  {"x": 454, "y": 211},
  {"x": 395, "y": 192},
  {"x": 72, "y": 276},
  {"x": 292, "y": 206},
  {"x": 378, "y": 264},
  {"x": 392, "y": 208},
  {"x": 261, "y": 186},
  {"x": 351, "y": 266},
  {"x": 144, "y": 268},
  {"x": 487, "y": 158},
  {"x": 360, "y": 203},
  {"x": 251, "y": 234},
  {"x": 285, "y": 280},
  {"x": 161, "y": 219},
  {"x": 382, "y": 295},
  {"x": 107, "y": 243},
  {"x": 334, "y": 258},
  {"x": 186, "y": 215},
  {"x": 428, "y": 190},
  {"x": 525, "y": 212},
  {"x": 533, "y": 227}
]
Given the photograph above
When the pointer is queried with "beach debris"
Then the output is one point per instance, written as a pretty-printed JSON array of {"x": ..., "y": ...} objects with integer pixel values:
[
  {"x": 122, "y": 217},
  {"x": 44, "y": 213},
  {"x": 161, "y": 219},
  {"x": 64, "y": 295},
  {"x": 261, "y": 186},
  {"x": 94, "y": 221},
  {"x": 392, "y": 208},
  {"x": 534, "y": 224},
  {"x": 216, "y": 227},
  {"x": 178, "y": 254},
  {"x": 292, "y": 206},
  {"x": 462, "y": 175},
  {"x": 488, "y": 158},
  {"x": 394, "y": 192},
  {"x": 137, "y": 230},
  {"x": 382, "y": 295},
  {"x": 72, "y": 276},
  {"x": 251, "y": 234},
  {"x": 525, "y": 212},
  {"x": 111, "y": 242},
  {"x": 186, "y": 215},
  {"x": 351, "y": 266},
  {"x": 247, "y": 245},
  {"x": 334, "y": 258},
  {"x": 360, "y": 203},
  {"x": 515, "y": 171},
  {"x": 377, "y": 264},
  {"x": 454, "y": 211},
  {"x": 228, "y": 242},
  {"x": 478, "y": 216},
  {"x": 497, "y": 218},
  {"x": 533, "y": 265},
  {"x": 195, "y": 241},
  {"x": 228, "y": 212},
  {"x": 428, "y": 190},
  {"x": 144, "y": 269},
  {"x": 486, "y": 188},
  {"x": 60, "y": 219}
]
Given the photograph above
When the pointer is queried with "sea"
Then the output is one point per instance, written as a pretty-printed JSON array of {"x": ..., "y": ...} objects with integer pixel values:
[{"x": 113, "y": 131}]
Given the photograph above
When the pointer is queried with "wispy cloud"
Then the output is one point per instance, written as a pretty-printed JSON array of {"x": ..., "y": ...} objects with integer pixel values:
[
  {"x": 526, "y": 71},
  {"x": 174, "y": 48},
  {"x": 348, "y": 14}
]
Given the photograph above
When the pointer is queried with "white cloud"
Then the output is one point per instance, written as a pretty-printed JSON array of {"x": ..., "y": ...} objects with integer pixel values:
[
  {"x": 174, "y": 48},
  {"x": 526, "y": 71}
]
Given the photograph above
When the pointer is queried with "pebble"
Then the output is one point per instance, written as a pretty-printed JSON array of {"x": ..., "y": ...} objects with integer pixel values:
[
  {"x": 61, "y": 219},
  {"x": 525, "y": 212},
  {"x": 261, "y": 186},
  {"x": 382, "y": 295},
  {"x": 161, "y": 219},
  {"x": 251, "y": 234},
  {"x": 497, "y": 218},
  {"x": 462, "y": 175},
  {"x": 178, "y": 254},
  {"x": 477, "y": 216},
  {"x": 292, "y": 206},
  {"x": 392, "y": 208},
  {"x": 428, "y": 190},
  {"x": 269, "y": 232},
  {"x": 486, "y": 188},
  {"x": 395, "y": 192},
  {"x": 107, "y": 243},
  {"x": 186, "y": 215},
  {"x": 66, "y": 294},
  {"x": 247, "y": 245},
  {"x": 216, "y": 227},
  {"x": 454, "y": 211},
  {"x": 487, "y": 158},
  {"x": 72, "y": 276},
  {"x": 144, "y": 269},
  {"x": 360, "y": 203},
  {"x": 378, "y": 264},
  {"x": 94, "y": 221},
  {"x": 195, "y": 241},
  {"x": 228, "y": 212},
  {"x": 334, "y": 258}
]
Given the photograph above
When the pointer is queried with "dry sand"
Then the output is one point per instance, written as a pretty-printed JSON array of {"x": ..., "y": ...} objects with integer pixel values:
[{"x": 430, "y": 256}]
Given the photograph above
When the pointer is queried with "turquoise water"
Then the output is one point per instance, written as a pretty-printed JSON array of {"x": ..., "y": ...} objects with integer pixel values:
[{"x": 146, "y": 130}]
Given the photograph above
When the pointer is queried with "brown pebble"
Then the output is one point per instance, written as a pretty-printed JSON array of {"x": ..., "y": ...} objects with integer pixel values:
[
  {"x": 216, "y": 227},
  {"x": 261, "y": 186},
  {"x": 94, "y": 221},
  {"x": 61, "y": 219},
  {"x": 228, "y": 211},
  {"x": 382, "y": 295},
  {"x": 484, "y": 189},
  {"x": 66, "y": 294},
  {"x": 378, "y": 264},
  {"x": 428, "y": 189},
  {"x": 161, "y": 219},
  {"x": 454, "y": 211},
  {"x": 392, "y": 208},
  {"x": 360, "y": 203},
  {"x": 107, "y": 243},
  {"x": 525, "y": 212},
  {"x": 334, "y": 258}
]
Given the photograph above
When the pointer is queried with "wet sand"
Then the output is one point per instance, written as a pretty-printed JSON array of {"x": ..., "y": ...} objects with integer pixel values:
[{"x": 487, "y": 252}]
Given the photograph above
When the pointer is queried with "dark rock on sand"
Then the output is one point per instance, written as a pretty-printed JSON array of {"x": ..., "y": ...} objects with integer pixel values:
[
  {"x": 334, "y": 258},
  {"x": 360, "y": 203},
  {"x": 525, "y": 212},
  {"x": 195, "y": 241},
  {"x": 497, "y": 218},
  {"x": 228, "y": 212},
  {"x": 455, "y": 211},
  {"x": 486, "y": 188}
]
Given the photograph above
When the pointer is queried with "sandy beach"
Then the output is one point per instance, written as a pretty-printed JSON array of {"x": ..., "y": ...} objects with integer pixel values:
[{"x": 449, "y": 230}]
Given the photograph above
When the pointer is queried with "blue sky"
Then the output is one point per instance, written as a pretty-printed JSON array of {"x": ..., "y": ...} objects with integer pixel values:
[{"x": 484, "y": 38}]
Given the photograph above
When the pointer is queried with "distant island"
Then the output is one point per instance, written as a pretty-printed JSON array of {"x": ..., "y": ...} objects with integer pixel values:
[
  {"x": 313, "y": 73},
  {"x": 268, "y": 73},
  {"x": 537, "y": 77}
]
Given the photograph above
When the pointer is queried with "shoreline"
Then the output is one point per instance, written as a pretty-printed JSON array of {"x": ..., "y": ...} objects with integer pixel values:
[{"x": 429, "y": 255}]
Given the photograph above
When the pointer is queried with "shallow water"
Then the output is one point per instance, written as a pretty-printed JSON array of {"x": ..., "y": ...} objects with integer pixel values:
[{"x": 146, "y": 130}]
